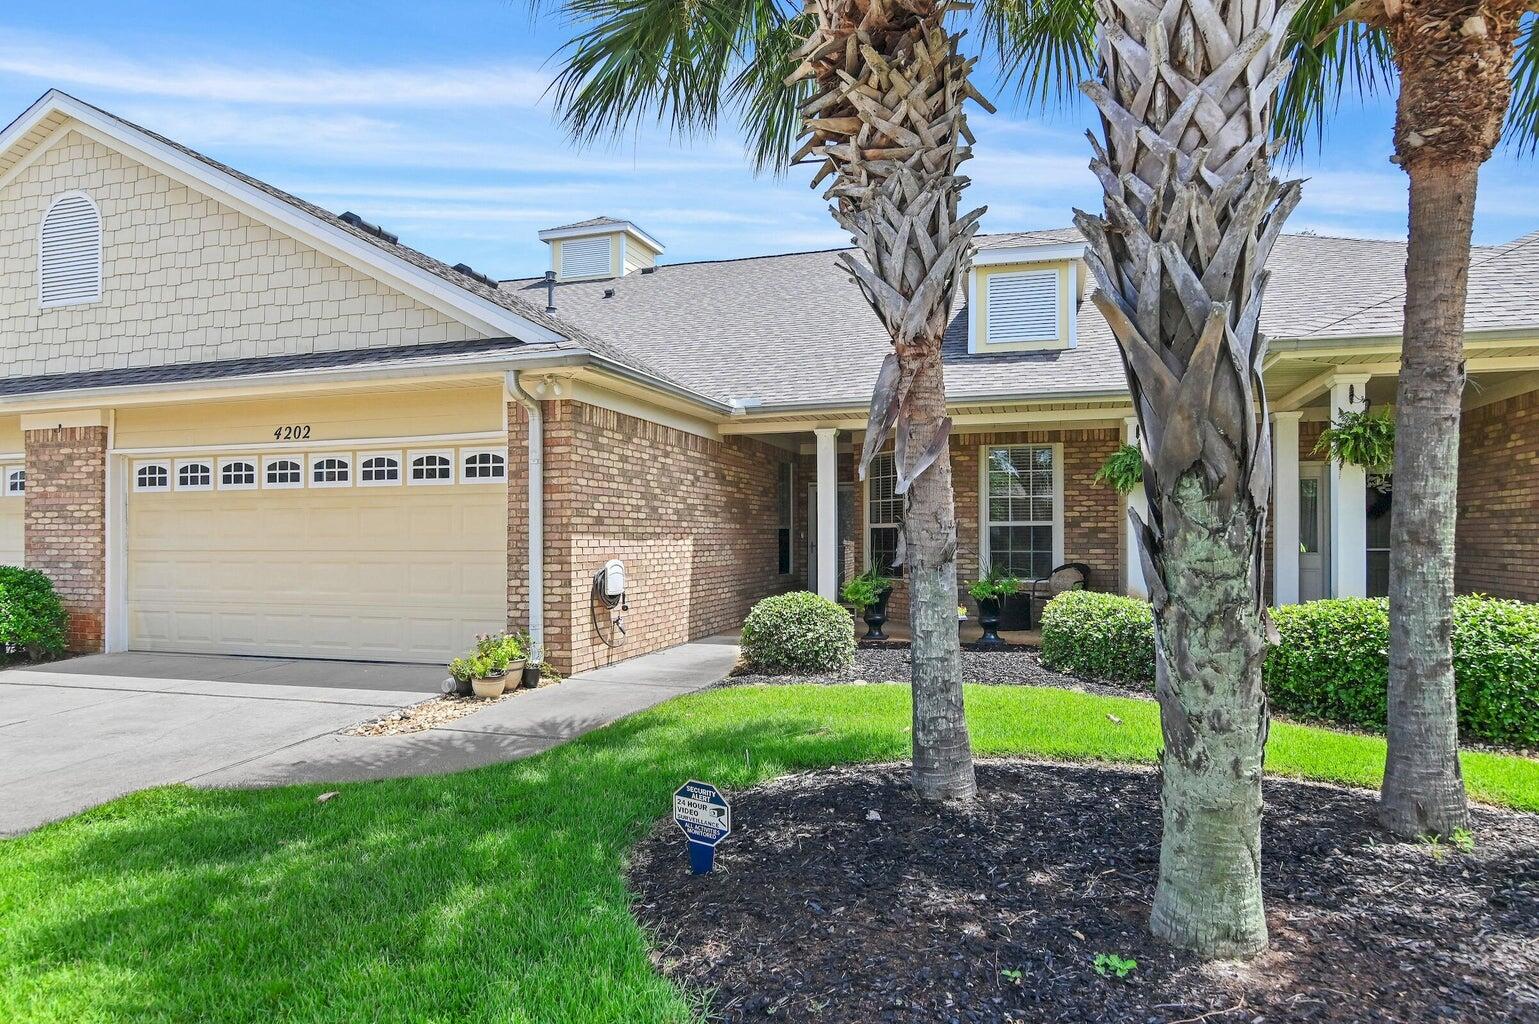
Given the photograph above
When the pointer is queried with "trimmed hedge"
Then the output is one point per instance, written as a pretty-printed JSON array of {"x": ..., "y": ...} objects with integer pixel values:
[
  {"x": 1100, "y": 635},
  {"x": 31, "y": 617},
  {"x": 798, "y": 632},
  {"x": 1333, "y": 662}
]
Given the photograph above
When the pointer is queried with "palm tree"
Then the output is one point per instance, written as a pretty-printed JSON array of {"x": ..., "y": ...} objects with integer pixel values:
[
  {"x": 875, "y": 89},
  {"x": 1192, "y": 212},
  {"x": 1457, "y": 62}
]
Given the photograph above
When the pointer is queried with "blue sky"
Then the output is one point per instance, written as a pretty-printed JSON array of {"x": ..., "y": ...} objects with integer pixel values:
[{"x": 429, "y": 118}]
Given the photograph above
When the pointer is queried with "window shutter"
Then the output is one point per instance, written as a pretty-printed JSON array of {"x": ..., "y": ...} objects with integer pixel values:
[
  {"x": 70, "y": 253},
  {"x": 1023, "y": 306},
  {"x": 587, "y": 257}
]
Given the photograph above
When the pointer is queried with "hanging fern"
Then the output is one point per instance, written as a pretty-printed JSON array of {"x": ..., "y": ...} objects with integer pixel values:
[
  {"x": 1123, "y": 469},
  {"x": 1360, "y": 439}
]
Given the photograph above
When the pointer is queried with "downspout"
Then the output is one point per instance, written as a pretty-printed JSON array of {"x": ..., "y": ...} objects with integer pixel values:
[{"x": 535, "y": 443}]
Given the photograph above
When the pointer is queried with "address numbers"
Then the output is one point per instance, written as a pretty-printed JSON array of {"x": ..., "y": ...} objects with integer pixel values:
[{"x": 297, "y": 432}]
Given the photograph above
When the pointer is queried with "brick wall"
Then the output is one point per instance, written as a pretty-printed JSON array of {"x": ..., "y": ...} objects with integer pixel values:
[
  {"x": 65, "y": 527},
  {"x": 518, "y": 517},
  {"x": 694, "y": 521},
  {"x": 1497, "y": 540}
]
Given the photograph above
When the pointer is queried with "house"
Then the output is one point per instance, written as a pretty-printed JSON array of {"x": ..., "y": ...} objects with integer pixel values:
[{"x": 234, "y": 422}]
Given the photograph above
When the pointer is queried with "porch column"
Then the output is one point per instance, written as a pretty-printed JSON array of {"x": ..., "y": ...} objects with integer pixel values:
[
  {"x": 1349, "y": 500},
  {"x": 828, "y": 513},
  {"x": 1285, "y": 507},
  {"x": 1133, "y": 579}
]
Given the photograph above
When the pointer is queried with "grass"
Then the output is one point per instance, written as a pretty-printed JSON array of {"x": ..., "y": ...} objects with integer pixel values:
[{"x": 492, "y": 895}]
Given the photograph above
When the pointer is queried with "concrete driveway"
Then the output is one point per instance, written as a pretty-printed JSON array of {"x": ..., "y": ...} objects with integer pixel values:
[{"x": 81, "y": 732}]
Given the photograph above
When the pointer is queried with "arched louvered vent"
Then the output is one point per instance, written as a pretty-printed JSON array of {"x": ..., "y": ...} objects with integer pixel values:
[{"x": 70, "y": 252}]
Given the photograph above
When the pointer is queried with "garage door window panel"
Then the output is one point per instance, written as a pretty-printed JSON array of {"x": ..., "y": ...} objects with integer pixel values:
[
  {"x": 281, "y": 473},
  {"x": 331, "y": 471},
  {"x": 483, "y": 466},
  {"x": 15, "y": 482},
  {"x": 152, "y": 476},
  {"x": 379, "y": 469},
  {"x": 432, "y": 468},
  {"x": 237, "y": 475},
  {"x": 194, "y": 475}
]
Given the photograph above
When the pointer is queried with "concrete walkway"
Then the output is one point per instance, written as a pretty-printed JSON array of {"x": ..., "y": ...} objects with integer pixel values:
[{"x": 82, "y": 732}]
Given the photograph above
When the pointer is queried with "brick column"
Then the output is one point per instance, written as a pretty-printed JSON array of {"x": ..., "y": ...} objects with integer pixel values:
[{"x": 66, "y": 526}]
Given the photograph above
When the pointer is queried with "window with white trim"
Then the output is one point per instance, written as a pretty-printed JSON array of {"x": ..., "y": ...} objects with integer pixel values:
[
  {"x": 237, "y": 475},
  {"x": 884, "y": 514},
  {"x": 331, "y": 471},
  {"x": 380, "y": 469},
  {"x": 485, "y": 466},
  {"x": 432, "y": 468},
  {"x": 194, "y": 476},
  {"x": 15, "y": 482},
  {"x": 69, "y": 252},
  {"x": 1021, "y": 510},
  {"x": 280, "y": 473},
  {"x": 784, "y": 501},
  {"x": 152, "y": 476}
]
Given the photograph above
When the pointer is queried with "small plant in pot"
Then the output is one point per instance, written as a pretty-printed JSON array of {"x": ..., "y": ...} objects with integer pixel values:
[
  {"x": 461, "y": 674},
  {"x": 869, "y": 592},
  {"x": 989, "y": 590}
]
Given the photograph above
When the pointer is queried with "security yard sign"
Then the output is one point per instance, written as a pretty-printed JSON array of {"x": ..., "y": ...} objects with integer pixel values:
[{"x": 705, "y": 818}]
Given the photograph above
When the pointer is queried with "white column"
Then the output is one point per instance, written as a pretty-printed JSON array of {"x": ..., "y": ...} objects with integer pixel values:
[
  {"x": 828, "y": 513},
  {"x": 1133, "y": 581},
  {"x": 1285, "y": 508},
  {"x": 1349, "y": 500}
]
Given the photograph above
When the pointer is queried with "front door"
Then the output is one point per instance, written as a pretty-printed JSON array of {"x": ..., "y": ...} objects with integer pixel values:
[
  {"x": 846, "y": 530},
  {"x": 1314, "y": 531}
]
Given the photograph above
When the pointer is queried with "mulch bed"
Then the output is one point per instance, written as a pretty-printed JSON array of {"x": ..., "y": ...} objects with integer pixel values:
[
  {"x": 889, "y": 663},
  {"x": 840, "y": 898}
]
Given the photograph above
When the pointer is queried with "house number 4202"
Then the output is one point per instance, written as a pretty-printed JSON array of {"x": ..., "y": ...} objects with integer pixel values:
[{"x": 298, "y": 432}]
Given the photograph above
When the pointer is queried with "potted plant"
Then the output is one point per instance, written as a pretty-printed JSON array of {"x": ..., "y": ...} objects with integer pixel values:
[
  {"x": 869, "y": 592},
  {"x": 1361, "y": 439},
  {"x": 461, "y": 673},
  {"x": 992, "y": 587},
  {"x": 486, "y": 680}
]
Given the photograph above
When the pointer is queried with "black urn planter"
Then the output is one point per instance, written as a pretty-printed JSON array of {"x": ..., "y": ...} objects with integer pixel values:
[
  {"x": 531, "y": 680},
  {"x": 875, "y": 616},
  {"x": 988, "y": 618}
]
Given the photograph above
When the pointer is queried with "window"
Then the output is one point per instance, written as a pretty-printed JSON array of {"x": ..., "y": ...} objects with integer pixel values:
[
  {"x": 237, "y": 475},
  {"x": 152, "y": 476},
  {"x": 380, "y": 470},
  {"x": 783, "y": 503},
  {"x": 281, "y": 473},
  {"x": 194, "y": 476},
  {"x": 331, "y": 471},
  {"x": 484, "y": 466},
  {"x": 1022, "y": 306},
  {"x": 884, "y": 514},
  {"x": 587, "y": 257},
  {"x": 1022, "y": 507},
  {"x": 69, "y": 260},
  {"x": 15, "y": 482},
  {"x": 432, "y": 468}
]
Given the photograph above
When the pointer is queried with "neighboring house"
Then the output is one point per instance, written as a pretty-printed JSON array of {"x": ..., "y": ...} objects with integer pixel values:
[{"x": 233, "y": 422}]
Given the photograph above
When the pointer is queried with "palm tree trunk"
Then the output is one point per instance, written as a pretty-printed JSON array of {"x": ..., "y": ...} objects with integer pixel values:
[
  {"x": 887, "y": 123},
  {"x": 1454, "y": 58},
  {"x": 1192, "y": 212}
]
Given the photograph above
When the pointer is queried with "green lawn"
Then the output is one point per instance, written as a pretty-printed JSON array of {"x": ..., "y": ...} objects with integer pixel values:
[{"x": 494, "y": 895}]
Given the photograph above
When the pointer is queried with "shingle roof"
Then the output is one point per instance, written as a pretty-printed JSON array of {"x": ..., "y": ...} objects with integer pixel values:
[
  {"x": 591, "y": 222},
  {"x": 794, "y": 329}
]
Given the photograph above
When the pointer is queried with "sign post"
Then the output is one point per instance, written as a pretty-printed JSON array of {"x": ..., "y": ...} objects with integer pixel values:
[{"x": 705, "y": 818}]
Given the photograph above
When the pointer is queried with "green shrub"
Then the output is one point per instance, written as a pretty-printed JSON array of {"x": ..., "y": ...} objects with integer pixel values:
[
  {"x": 1100, "y": 635},
  {"x": 798, "y": 632},
  {"x": 31, "y": 617},
  {"x": 1333, "y": 661}
]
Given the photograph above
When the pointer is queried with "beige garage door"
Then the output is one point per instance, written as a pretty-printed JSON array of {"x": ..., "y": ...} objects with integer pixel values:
[
  {"x": 382, "y": 573},
  {"x": 10, "y": 531}
]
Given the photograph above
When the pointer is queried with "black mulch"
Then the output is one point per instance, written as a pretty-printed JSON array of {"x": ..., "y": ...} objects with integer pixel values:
[
  {"x": 890, "y": 664},
  {"x": 840, "y": 900}
]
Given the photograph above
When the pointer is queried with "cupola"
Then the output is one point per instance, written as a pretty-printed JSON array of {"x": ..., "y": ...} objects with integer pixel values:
[{"x": 599, "y": 247}]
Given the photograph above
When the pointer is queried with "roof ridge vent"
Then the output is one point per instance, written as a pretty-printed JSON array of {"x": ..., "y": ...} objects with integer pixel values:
[
  {"x": 472, "y": 272},
  {"x": 369, "y": 229}
]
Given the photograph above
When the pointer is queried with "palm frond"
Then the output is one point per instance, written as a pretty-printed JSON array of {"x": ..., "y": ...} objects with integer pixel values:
[
  {"x": 1045, "y": 48},
  {"x": 1351, "y": 59},
  {"x": 1522, "y": 129},
  {"x": 769, "y": 110}
]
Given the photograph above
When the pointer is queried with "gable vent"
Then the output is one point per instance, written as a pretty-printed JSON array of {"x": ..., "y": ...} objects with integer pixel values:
[
  {"x": 1023, "y": 306},
  {"x": 587, "y": 257},
  {"x": 70, "y": 252}
]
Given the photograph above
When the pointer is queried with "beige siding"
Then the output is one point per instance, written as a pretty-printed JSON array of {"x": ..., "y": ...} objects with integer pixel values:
[
  {"x": 186, "y": 279},
  {"x": 10, "y": 435}
]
